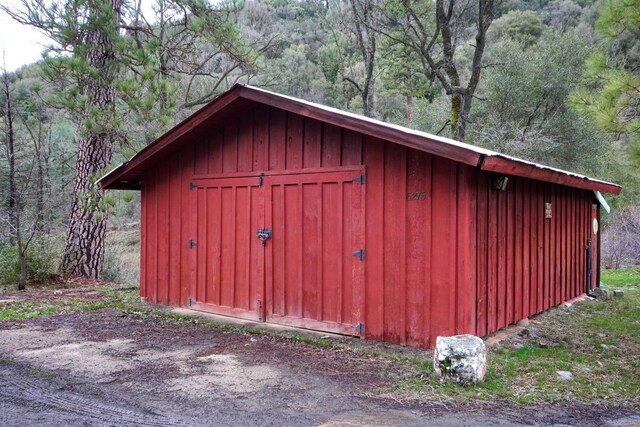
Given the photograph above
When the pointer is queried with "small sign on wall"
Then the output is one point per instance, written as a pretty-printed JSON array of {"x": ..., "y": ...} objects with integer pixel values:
[
  {"x": 417, "y": 195},
  {"x": 547, "y": 211}
]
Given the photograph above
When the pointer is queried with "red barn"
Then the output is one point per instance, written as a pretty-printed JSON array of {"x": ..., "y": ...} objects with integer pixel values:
[{"x": 270, "y": 208}]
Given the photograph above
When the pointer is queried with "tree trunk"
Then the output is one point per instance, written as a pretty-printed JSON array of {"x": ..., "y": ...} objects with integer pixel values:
[
  {"x": 14, "y": 196},
  {"x": 366, "y": 38},
  {"x": 22, "y": 257},
  {"x": 84, "y": 245}
]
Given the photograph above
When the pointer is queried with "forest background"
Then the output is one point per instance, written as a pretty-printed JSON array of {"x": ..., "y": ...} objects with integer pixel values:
[{"x": 556, "y": 82}]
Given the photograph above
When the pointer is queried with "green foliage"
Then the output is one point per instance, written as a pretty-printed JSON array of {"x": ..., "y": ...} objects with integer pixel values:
[
  {"x": 522, "y": 26},
  {"x": 610, "y": 95},
  {"x": 525, "y": 112},
  {"x": 42, "y": 259},
  {"x": 112, "y": 266}
]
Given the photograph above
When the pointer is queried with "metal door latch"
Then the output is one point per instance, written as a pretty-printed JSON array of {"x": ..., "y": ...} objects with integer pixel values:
[{"x": 264, "y": 234}]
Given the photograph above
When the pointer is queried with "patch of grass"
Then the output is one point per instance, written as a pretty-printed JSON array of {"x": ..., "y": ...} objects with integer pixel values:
[
  {"x": 51, "y": 304},
  {"x": 597, "y": 341},
  {"x": 6, "y": 361},
  {"x": 30, "y": 309},
  {"x": 39, "y": 372},
  {"x": 627, "y": 276}
]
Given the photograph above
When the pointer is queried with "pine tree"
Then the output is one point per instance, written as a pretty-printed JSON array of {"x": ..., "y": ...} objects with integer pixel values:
[
  {"x": 611, "y": 95},
  {"x": 113, "y": 69}
]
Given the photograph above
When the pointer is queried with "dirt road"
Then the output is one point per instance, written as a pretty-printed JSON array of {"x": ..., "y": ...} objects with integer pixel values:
[{"x": 111, "y": 368}]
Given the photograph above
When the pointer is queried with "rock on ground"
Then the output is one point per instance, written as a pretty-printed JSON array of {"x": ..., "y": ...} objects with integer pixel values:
[{"x": 462, "y": 358}]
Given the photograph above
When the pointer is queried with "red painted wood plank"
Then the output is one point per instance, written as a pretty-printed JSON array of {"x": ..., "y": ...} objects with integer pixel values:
[
  {"x": 519, "y": 195},
  {"x": 443, "y": 221},
  {"x": 347, "y": 293},
  {"x": 162, "y": 231},
  {"x": 244, "y": 235},
  {"x": 343, "y": 261},
  {"x": 228, "y": 245},
  {"x": 293, "y": 203},
  {"x": 202, "y": 244},
  {"x": 563, "y": 246},
  {"x": 275, "y": 259},
  {"x": 492, "y": 263},
  {"x": 551, "y": 247},
  {"x": 175, "y": 213},
  {"x": 358, "y": 241},
  {"x": 245, "y": 141},
  {"x": 393, "y": 241},
  {"x": 510, "y": 282},
  {"x": 466, "y": 266},
  {"x": 402, "y": 240},
  {"x": 482, "y": 219},
  {"x": 215, "y": 151},
  {"x": 310, "y": 208},
  {"x": 526, "y": 248},
  {"x": 257, "y": 267},
  {"x": 571, "y": 245},
  {"x": 352, "y": 147},
  {"x": 277, "y": 139},
  {"x": 312, "y": 143},
  {"x": 261, "y": 138},
  {"x": 189, "y": 231},
  {"x": 214, "y": 240},
  {"x": 331, "y": 252},
  {"x": 230, "y": 147},
  {"x": 331, "y": 145},
  {"x": 295, "y": 132},
  {"x": 209, "y": 244},
  {"x": 554, "y": 282},
  {"x": 541, "y": 256},
  {"x": 415, "y": 247},
  {"x": 599, "y": 243},
  {"x": 373, "y": 157},
  {"x": 427, "y": 339},
  {"x": 501, "y": 302},
  {"x": 144, "y": 235},
  {"x": 201, "y": 156}
]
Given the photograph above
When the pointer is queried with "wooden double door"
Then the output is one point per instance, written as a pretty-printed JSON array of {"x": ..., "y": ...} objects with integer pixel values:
[{"x": 282, "y": 247}]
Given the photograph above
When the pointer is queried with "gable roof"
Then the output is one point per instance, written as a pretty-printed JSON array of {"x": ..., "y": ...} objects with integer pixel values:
[{"x": 128, "y": 174}]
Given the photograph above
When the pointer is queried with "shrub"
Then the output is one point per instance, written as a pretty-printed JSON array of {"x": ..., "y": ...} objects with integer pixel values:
[
  {"x": 112, "y": 266},
  {"x": 42, "y": 257},
  {"x": 621, "y": 238}
]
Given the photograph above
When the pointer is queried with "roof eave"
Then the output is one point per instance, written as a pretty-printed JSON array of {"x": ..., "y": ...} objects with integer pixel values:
[{"x": 509, "y": 166}]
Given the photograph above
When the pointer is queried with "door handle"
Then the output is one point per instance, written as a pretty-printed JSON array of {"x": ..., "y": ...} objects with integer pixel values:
[{"x": 264, "y": 234}]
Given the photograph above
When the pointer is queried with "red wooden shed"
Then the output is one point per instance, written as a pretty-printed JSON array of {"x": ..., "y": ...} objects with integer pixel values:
[{"x": 270, "y": 208}]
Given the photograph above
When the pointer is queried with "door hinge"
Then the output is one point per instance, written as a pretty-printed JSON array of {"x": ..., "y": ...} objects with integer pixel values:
[
  {"x": 360, "y": 179},
  {"x": 359, "y": 327},
  {"x": 192, "y": 185},
  {"x": 359, "y": 254},
  {"x": 192, "y": 243},
  {"x": 261, "y": 179}
]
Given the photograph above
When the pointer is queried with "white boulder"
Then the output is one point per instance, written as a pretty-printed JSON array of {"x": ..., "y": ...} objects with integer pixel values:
[{"x": 462, "y": 358}]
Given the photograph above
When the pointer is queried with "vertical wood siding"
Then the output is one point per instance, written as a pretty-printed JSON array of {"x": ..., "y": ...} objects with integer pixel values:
[
  {"x": 445, "y": 253},
  {"x": 545, "y": 258}
]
